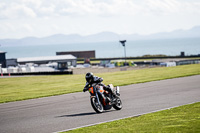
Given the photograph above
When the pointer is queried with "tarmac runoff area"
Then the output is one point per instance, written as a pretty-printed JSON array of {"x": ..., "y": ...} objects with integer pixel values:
[{"x": 66, "y": 112}]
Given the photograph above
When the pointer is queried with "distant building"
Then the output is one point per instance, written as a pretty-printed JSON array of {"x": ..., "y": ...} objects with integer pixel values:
[
  {"x": 64, "y": 61},
  {"x": 79, "y": 54},
  {"x": 11, "y": 62},
  {"x": 3, "y": 59},
  {"x": 182, "y": 54}
]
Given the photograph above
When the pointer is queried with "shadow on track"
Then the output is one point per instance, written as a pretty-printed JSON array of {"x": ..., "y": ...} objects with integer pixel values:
[
  {"x": 83, "y": 114},
  {"x": 80, "y": 114}
]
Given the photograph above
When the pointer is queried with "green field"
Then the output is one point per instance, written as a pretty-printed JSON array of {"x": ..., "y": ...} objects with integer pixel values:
[
  {"x": 15, "y": 89},
  {"x": 183, "y": 119}
]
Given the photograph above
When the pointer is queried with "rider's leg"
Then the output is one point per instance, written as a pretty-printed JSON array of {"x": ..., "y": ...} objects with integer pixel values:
[{"x": 107, "y": 88}]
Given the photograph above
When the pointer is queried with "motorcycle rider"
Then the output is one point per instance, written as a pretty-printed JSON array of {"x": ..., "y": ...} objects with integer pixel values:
[{"x": 90, "y": 78}]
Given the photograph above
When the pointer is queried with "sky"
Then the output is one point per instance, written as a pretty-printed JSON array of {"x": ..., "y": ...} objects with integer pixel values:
[{"x": 41, "y": 18}]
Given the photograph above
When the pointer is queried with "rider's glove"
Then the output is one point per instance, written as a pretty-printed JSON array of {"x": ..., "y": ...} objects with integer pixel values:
[
  {"x": 100, "y": 79},
  {"x": 85, "y": 89}
]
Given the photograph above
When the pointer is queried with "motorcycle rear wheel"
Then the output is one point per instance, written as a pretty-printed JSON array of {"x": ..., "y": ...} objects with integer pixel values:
[
  {"x": 98, "y": 107},
  {"x": 118, "y": 104}
]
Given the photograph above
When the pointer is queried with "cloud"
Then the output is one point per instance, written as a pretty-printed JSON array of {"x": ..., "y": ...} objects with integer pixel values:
[
  {"x": 97, "y": 8},
  {"x": 16, "y": 10},
  {"x": 44, "y": 17},
  {"x": 166, "y": 7},
  {"x": 76, "y": 8}
]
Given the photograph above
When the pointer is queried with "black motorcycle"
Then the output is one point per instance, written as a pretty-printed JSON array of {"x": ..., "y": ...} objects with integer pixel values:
[{"x": 103, "y": 100}]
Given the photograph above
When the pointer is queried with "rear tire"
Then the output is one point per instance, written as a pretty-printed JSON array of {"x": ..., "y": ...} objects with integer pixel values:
[
  {"x": 118, "y": 105},
  {"x": 98, "y": 107}
]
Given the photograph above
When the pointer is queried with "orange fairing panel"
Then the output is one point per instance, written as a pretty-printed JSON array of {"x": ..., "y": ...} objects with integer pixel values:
[
  {"x": 91, "y": 90},
  {"x": 101, "y": 91}
]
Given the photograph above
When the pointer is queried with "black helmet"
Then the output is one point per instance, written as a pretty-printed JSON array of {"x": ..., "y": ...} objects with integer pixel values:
[{"x": 89, "y": 77}]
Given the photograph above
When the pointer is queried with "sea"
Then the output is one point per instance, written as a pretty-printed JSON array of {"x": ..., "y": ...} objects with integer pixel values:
[{"x": 171, "y": 47}]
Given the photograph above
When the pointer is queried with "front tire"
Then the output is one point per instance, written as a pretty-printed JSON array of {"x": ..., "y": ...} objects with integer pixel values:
[
  {"x": 118, "y": 104},
  {"x": 98, "y": 107}
]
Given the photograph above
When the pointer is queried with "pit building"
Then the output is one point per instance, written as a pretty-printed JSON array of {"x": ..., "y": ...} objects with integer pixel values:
[
  {"x": 2, "y": 59},
  {"x": 79, "y": 54}
]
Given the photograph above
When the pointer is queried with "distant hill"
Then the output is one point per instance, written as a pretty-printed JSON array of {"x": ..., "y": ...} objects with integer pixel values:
[{"x": 100, "y": 37}]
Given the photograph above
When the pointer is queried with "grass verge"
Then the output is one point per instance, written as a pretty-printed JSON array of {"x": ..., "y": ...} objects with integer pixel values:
[
  {"x": 181, "y": 119},
  {"x": 15, "y": 89}
]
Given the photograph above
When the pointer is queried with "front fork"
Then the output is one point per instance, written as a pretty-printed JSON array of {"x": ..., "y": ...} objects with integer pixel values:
[
  {"x": 98, "y": 99},
  {"x": 99, "y": 96},
  {"x": 95, "y": 91}
]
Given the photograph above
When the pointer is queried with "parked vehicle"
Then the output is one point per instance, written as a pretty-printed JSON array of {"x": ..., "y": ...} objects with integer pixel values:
[{"x": 102, "y": 100}]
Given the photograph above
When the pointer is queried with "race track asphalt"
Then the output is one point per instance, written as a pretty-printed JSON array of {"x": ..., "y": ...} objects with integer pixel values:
[{"x": 58, "y": 113}]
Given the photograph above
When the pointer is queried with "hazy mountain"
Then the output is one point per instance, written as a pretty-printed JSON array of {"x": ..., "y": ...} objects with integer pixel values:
[
  {"x": 192, "y": 33},
  {"x": 101, "y": 37}
]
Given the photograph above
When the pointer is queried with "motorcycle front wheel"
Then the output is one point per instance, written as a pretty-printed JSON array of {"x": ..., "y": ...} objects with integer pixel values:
[{"x": 98, "y": 107}]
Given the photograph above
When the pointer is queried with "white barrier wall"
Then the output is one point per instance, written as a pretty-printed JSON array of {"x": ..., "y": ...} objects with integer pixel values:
[
  {"x": 12, "y": 70},
  {"x": 4, "y": 70},
  {"x": 168, "y": 64}
]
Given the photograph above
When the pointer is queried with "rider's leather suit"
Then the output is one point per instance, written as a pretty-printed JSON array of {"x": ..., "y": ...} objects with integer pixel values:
[{"x": 97, "y": 80}]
